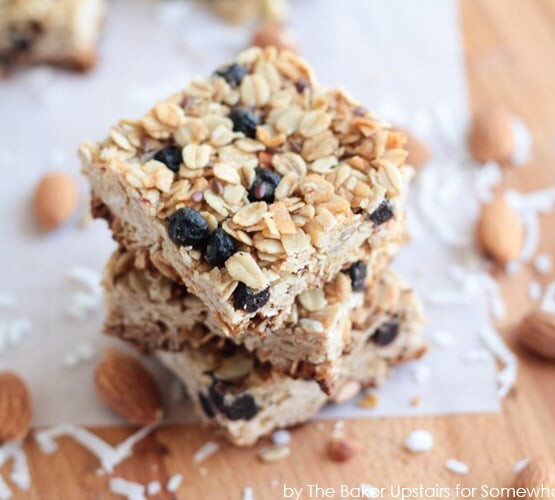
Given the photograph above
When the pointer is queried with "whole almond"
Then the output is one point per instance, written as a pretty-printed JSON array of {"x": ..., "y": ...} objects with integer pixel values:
[
  {"x": 128, "y": 388},
  {"x": 15, "y": 408},
  {"x": 491, "y": 135},
  {"x": 499, "y": 232},
  {"x": 537, "y": 474},
  {"x": 418, "y": 152},
  {"x": 273, "y": 34},
  {"x": 55, "y": 200},
  {"x": 342, "y": 449},
  {"x": 537, "y": 333}
]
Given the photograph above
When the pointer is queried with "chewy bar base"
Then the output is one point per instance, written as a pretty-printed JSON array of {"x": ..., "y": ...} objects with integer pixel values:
[
  {"x": 254, "y": 184},
  {"x": 60, "y": 32},
  {"x": 322, "y": 324}
]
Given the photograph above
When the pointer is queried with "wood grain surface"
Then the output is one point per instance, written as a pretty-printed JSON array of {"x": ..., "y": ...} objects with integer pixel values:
[{"x": 510, "y": 56}]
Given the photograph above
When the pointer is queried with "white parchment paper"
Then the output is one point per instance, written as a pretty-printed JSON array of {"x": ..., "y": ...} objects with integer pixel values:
[{"x": 395, "y": 55}]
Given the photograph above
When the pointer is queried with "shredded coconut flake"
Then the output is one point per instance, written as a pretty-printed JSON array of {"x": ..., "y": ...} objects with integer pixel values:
[
  {"x": 20, "y": 470},
  {"x": 521, "y": 465},
  {"x": 506, "y": 377},
  {"x": 548, "y": 301},
  {"x": 457, "y": 467},
  {"x": 523, "y": 142},
  {"x": 476, "y": 355},
  {"x": 419, "y": 441},
  {"x": 443, "y": 339},
  {"x": 174, "y": 482},
  {"x": 535, "y": 290},
  {"x": 543, "y": 263},
  {"x": 281, "y": 437},
  {"x": 5, "y": 492},
  {"x": 206, "y": 450},
  {"x": 109, "y": 456},
  {"x": 248, "y": 494},
  {"x": 128, "y": 489},
  {"x": 153, "y": 488}
]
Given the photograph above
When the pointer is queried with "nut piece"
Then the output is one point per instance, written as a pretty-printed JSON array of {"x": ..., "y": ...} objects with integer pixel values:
[
  {"x": 538, "y": 473},
  {"x": 15, "y": 408},
  {"x": 418, "y": 152},
  {"x": 491, "y": 135},
  {"x": 537, "y": 333},
  {"x": 128, "y": 388},
  {"x": 500, "y": 233},
  {"x": 273, "y": 34},
  {"x": 55, "y": 200},
  {"x": 341, "y": 449}
]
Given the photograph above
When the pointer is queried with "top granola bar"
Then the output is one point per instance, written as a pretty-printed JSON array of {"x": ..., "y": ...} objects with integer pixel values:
[{"x": 255, "y": 184}]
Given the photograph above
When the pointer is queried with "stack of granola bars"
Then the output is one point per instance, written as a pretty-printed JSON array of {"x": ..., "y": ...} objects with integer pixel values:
[{"x": 257, "y": 213}]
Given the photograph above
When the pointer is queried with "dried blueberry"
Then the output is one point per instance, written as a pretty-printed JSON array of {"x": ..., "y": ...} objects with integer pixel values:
[
  {"x": 170, "y": 156},
  {"x": 382, "y": 214},
  {"x": 232, "y": 74},
  {"x": 238, "y": 407},
  {"x": 242, "y": 408},
  {"x": 206, "y": 406},
  {"x": 244, "y": 120},
  {"x": 221, "y": 246},
  {"x": 188, "y": 228},
  {"x": 246, "y": 299},
  {"x": 357, "y": 273},
  {"x": 386, "y": 333},
  {"x": 264, "y": 185}
]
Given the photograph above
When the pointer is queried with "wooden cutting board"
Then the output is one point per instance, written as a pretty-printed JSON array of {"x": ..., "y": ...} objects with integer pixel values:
[{"x": 510, "y": 56}]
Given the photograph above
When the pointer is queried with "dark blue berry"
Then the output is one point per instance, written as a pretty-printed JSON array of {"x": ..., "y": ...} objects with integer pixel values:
[
  {"x": 382, "y": 214},
  {"x": 242, "y": 408},
  {"x": 206, "y": 406},
  {"x": 234, "y": 407},
  {"x": 232, "y": 74},
  {"x": 221, "y": 246},
  {"x": 357, "y": 273},
  {"x": 386, "y": 333},
  {"x": 264, "y": 185},
  {"x": 246, "y": 299},
  {"x": 244, "y": 120},
  {"x": 188, "y": 228},
  {"x": 170, "y": 156}
]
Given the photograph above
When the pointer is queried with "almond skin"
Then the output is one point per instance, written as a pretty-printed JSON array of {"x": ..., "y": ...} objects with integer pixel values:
[
  {"x": 499, "y": 232},
  {"x": 128, "y": 389},
  {"x": 15, "y": 408},
  {"x": 273, "y": 34},
  {"x": 537, "y": 333},
  {"x": 539, "y": 472},
  {"x": 418, "y": 152},
  {"x": 55, "y": 200},
  {"x": 491, "y": 135},
  {"x": 342, "y": 449}
]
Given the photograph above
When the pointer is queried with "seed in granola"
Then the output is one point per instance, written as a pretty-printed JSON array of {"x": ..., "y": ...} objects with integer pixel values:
[
  {"x": 188, "y": 228},
  {"x": 197, "y": 196},
  {"x": 170, "y": 156},
  {"x": 232, "y": 74},
  {"x": 382, "y": 214},
  {"x": 386, "y": 333},
  {"x": 244, "y": 120},
  {"x": 357, "y": 272},
  {"x": 221, "y": 246},
  {"x": 246, "y": 299},
  {"x": 264, "y": 185},
  {"x": 206, "y": 405}
]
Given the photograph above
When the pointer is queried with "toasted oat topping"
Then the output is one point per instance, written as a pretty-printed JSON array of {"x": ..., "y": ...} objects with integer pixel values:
[{"x": 269, "y": 156}]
